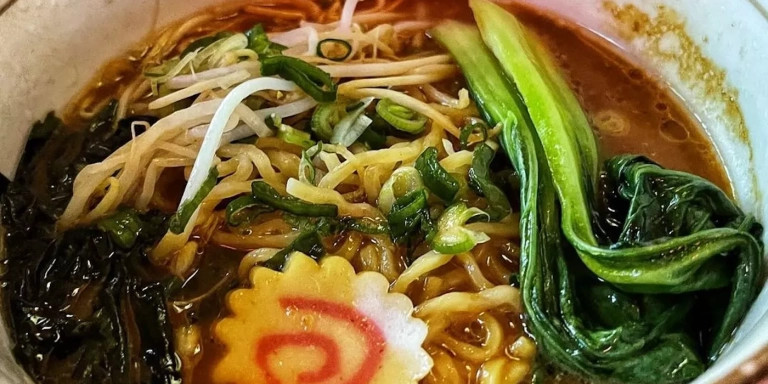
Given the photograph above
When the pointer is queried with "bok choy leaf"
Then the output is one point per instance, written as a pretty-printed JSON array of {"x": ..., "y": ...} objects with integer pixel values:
[{"x": 631, "y": 310}]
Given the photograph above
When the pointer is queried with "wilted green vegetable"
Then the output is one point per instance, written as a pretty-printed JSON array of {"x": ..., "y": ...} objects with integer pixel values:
[
  {"x": 637, "y": 309},
  {"x": 409, "y": 220},
  {"x": 259, "y": 42},
  {"x": 294, "y": 136},
  {"x": 325, "y": 117},
  {"x": 308, "y": 243},
  {"x": 180, "y": 219},
  {"x": 123, "y": 227},
  {"x": 400, "y": 117},
  {"x": 452, "y": 237},
  {"x": 353, "y": 124},
  {"x": 480, "y": 181},
  {"x": 265, "y": 194},
  {"x": 243, "y": 208},
  {"x": 311, "y": 79},
  {"x": 435, "y": 177},
  {"x": 402, "y": 181}
]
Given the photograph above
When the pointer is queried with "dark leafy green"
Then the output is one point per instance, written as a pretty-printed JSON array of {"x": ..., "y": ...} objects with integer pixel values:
[
  {"x": 264, "y": 193},
  {"x": 311, "y": 79},
  {"x": 469, "y": 129},
  {"x": 309, "y": 243},
  {"x": 637, "y": 309},
  {"x": 243, "y": 209},
  {"x": 327, "y": 226},
  {"x": 123, "y": 227},
  {"x": 81, "y": 305},
  {"x": 480, "y": 181},
  {"x": 435, "y": 177}
]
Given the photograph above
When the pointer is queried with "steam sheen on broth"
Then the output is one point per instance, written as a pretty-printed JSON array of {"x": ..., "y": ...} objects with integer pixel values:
[{"x": 251, "y": 195}]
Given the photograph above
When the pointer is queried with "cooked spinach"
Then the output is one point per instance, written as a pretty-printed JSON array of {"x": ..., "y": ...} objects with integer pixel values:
[
  {"x": 82, "y": 306},
  {"x": 634, "y": 309},
  {"x": 308, "y": 243}
]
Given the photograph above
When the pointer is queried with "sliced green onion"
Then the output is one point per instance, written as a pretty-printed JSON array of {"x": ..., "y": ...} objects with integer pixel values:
[
  {"x": 400, "y": 117},
  {"x": 308, "y": 243},
  {"x": 306, "y": 167},
  {"x": 204, "y": 42},
  {"x": 123, "y": 227},
  {"x": 409, "y": 218},
  {"x": 179, "y": 220},
  {"x": 273, "y": 121},
  {"x": 325, "y": 117},
  {"x": 334, "y": 49},
  {"x": 243, "y": 209},
  {"x": 264, "y": 193},
  {"x": 259, "y": 42},
  {"x": 402, "y": 181},
  {"x": 480, "y": 181},
  {"x": 311, "y": 79},
  {"x": 294, "y": 136},
  {"x": 351, "y": 126},
  {"x": 372, "y": 138},
  {"x": 365, "y": 225},
  {"x": 435, "y": 177},
  {"x": 469, "y": 129},
  {"x": 214, "y": 55},
  {"x": 452, "y": 237}
]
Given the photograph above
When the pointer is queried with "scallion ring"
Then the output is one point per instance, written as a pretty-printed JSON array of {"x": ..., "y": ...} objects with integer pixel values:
[
  {"x": 334, "y": 49},
  {"x": 400, "y": 117}
]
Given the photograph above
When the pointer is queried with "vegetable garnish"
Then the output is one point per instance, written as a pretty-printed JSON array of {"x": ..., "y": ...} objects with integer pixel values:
[
  {"x": 259, "y": 42},
  {"x": 400, "y": 117},
  {"x": 409, "y": 219},
  {"x": 435, "y": 177},
  {"x": 353, "y": 124},
  {"x": 360, "y": 333},
  {"x": 244, "y": 207},
  {"x": 199, "y": 183},
  {"x": 469, "y": 129},
  {"x": 325, "y": 117},
  {"x": 294, "y": 136},
  {"x": 311, "y": 79},
  {"x": 600, "y": 315},
  {"x": 402, "y": 181},
  {"x": 264, "y": 193},
  {"x": 187, "y": 208},
  {"x": 123, "y": 227},
  {"x": 480, "y": 181},
  {"x": 334, "y": 49},
  {"x": 452, "y": 237}
]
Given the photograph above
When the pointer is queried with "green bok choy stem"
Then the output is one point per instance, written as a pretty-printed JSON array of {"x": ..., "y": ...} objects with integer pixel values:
[{"x": 624, "y": 311}]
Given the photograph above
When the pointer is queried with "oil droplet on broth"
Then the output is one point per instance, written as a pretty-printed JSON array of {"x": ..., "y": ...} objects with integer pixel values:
[
  {"x": 610, "y": 122},
  {"x": 674, "y": 131}
]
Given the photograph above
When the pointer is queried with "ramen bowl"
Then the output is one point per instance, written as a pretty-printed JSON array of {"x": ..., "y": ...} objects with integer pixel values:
[{"x": 711, "y": 54}]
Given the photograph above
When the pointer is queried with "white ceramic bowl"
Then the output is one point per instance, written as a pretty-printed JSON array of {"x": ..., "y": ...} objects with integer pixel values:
[{"x": 712, "y": 52}]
